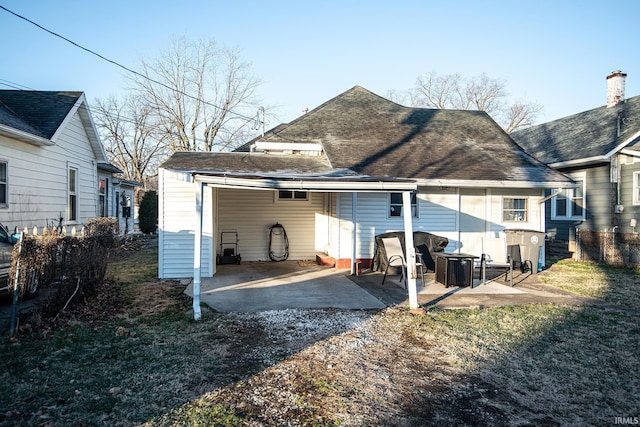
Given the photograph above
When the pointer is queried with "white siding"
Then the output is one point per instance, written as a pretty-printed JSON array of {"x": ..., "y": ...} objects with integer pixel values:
[
  {"x": 38, "y": 178},
  {"x": 177, "y": 224},
  {"x": 250, "y": 213},
  {"x": 438, "y": 213}
]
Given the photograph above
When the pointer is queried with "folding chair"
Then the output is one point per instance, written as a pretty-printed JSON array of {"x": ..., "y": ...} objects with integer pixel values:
[
  {"x": 494, "y": 255},
  {"x": 395, "y": 256}
]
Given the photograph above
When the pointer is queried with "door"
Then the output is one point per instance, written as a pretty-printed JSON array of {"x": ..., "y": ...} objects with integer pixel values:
[{"x": 473, "y": 224}]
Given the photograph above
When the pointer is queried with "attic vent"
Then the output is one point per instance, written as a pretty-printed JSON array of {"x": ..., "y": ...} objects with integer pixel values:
[{"x": 303, "y": 148}]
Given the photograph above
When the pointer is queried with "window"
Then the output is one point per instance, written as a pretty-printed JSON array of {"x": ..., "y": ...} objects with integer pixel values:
[
  {"x": 72, "y": 214},
  {"x": 116, "y": 202},
  {"x": 4, "y": 186},
  {"x": 102, "y": 196},
  {"x": 395, "y": 204},
  {"x": 292, "y": 195},
  {"x": 569, "y": 203},
  {"x": 636, "y": 188},
  {"x": 514, "y": 210}
]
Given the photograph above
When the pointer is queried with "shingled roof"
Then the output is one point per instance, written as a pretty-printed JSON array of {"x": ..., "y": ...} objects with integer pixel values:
[
  {"x": 372, "y": 136},
  {"x": 39, "y": 113},
  {"x": 589, "y": 135}
]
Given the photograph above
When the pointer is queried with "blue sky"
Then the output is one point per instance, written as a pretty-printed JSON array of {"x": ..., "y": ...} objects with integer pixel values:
[{"x": 555, "y": 53}]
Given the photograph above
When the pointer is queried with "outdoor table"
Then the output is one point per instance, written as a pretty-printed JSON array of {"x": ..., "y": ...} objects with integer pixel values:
[{"x": 454, "y": 269}]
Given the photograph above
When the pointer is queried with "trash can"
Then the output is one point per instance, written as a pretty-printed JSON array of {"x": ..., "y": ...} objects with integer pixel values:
[{"x": 529, "y": 242}]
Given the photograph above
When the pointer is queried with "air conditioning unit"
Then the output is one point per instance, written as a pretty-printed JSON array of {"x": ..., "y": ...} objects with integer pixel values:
[{"x": 618, "y": 209}]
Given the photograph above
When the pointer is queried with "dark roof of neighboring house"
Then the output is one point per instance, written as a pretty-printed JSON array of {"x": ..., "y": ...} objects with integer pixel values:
[
  {"x": 39, "y": 113},
  {"x": 372, "y": 136},
  {"x": 585, "y": 135}
]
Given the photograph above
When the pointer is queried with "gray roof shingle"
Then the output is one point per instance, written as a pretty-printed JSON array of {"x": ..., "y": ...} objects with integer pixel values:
[
  {"x": 585, "y": 135},
  {"x": 39, "y": 113},
  {"x": 372, "y": 136}
]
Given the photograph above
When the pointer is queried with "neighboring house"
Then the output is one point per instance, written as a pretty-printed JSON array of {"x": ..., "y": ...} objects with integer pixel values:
[
  {"x": 600, "y": 150},
  {"x": 52, "y": 163},
  {"x": 350, "y": 169}
]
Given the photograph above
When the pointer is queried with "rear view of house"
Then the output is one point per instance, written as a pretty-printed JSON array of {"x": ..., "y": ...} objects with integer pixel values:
[
  {"x": 53, "y": 169},
  {"x": 355, "y": 167}
]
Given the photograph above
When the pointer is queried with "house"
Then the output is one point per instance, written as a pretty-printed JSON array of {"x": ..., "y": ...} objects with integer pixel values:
[
  {"x": 356, "y": 166},
  {"x": 600, "y": 150},
  {"x": 53, "y": 168}
]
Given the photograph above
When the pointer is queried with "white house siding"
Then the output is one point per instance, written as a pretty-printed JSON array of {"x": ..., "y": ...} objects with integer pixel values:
[
  {"x": 439, "y": 213},
  {"x": 38, "y": 178},
  {"x": 250, "y": 213},
  {"x": 177, "y": 220}
]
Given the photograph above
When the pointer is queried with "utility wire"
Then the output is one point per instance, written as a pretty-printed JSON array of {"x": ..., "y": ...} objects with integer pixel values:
[{"x": 117, "y": 64}]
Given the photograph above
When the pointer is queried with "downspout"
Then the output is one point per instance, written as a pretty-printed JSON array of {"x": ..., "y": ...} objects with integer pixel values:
[
  {"x": 410, "y": 249},
  {"x": 197, "y": 255}
]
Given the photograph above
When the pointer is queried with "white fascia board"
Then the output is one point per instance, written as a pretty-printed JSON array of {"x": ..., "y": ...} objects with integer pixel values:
[
  {"x": 493, "y": 184},
  {"x": 579, "y": 162},
  {"x": 626, "y": 142},
  {"x": 25, "y": 136},
  {"x": 297, "y": 146},
  {"x": 306, "y": 184},
  {"x": 632, "y": 153}
]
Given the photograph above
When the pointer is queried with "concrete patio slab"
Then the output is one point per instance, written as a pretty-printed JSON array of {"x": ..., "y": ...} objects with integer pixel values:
[{"x": 263, "y": 286}]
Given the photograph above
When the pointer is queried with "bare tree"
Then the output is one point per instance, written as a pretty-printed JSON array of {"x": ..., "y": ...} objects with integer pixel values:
[
  {"x": 131, "y": 139},
  {"x": 201, "y": 94},
  {"x": 482, "y": 93}
]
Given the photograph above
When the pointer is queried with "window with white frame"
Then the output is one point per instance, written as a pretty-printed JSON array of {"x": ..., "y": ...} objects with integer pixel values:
[
  {"x": 292, "y": 195},
  {"x": 636, "y": 188},
  {"x": 395, "y": 205},
  {"x": 4, "y": 184},
  {"x": 515, "y": 209},
  {"x": 569, "y": 204},
  {"x": 102, "y": 197},
  {"x": 72, "y": 208}
]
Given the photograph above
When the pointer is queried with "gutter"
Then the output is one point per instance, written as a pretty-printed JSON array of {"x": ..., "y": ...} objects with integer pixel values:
[
  {"x": 321, "y": 185},
  {"x": 493, "y": 184}
]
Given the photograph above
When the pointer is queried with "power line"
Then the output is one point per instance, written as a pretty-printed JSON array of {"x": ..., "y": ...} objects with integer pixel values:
[{"x": 117, "y": 64}]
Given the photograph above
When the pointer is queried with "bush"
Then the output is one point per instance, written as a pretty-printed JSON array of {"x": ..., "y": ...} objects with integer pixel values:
[{"x": 148, "y": 213}]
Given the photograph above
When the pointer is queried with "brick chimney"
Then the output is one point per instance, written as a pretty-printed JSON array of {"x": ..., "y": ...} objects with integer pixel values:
[{"x": 615, "y": 88}]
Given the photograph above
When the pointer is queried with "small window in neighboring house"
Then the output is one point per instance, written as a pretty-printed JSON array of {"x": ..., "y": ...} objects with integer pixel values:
[
  {"x": 636, "y": 188},
  {"x": 102, "y": 197},
  {"x": 569, "y": 203},
  {"x": 4, "y": 186},
  {"x": 395, "y": 204},
  {"x": 514, "y": 209},
  {"x": 292, "y": 195},
  {"x": 72, "y": 214}
]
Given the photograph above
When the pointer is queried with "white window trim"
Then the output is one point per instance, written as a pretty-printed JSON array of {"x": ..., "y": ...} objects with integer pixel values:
[
  {"x": 6, "y": 205},
  {"x": 636, "y": 188},
  {"x": 76, "y": 193},
  {"x": 417, "y": 212},
  {"x": 277, "y": 199},
  {"x": 526, "y": 209},
  {"x": 582, "y": 176}
]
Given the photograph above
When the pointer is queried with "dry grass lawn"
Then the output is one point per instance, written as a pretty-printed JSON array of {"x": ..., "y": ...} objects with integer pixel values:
[{"x": 141, "y": 360}]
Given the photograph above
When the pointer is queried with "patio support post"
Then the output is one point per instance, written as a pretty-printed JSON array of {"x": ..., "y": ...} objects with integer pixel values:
[
  {"x": 354, "y": 216},
  {"x": 197, "y": 256},
  {"x": 407, "y": 215}
]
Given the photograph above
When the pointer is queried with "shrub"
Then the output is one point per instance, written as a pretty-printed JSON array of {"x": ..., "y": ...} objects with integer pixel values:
[{"x": 148, "y": 213}]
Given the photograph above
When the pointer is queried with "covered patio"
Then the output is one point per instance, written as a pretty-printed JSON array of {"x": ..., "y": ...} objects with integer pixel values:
[{"x": 264, "y": 286}]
